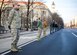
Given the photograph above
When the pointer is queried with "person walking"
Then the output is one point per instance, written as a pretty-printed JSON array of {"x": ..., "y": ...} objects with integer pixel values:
[
  {"x": 39, "y": 25},
  {"x": 44, "y": 26},
  {"x": 52, "y": 27},
  {"x": 14, "y": 25}
]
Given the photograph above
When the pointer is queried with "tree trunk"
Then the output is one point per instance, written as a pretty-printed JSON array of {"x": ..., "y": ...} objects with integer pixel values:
[
  {"x": 0, "y": 17},
  {"x": 1, "y": 10},
  {"x": 27, "y": 21}
]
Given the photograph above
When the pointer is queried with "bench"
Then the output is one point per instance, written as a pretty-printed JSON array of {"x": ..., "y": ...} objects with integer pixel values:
[{"x": 3, "y": 30}]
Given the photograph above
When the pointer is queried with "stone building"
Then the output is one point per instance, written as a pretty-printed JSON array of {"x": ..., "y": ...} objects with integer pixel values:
[{"x": 38, "y": 9}]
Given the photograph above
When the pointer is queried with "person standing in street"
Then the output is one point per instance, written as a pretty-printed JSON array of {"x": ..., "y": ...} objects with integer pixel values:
[
  {"x": 14, "y": 20},
  {"x": 44, "y": 26},
  {"x": 52, "y": 27},
  {"x": 39, "y": 25}
]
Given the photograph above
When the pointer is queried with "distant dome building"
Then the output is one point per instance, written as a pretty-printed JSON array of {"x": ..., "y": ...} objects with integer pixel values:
[{"x": 53, "y": 9}]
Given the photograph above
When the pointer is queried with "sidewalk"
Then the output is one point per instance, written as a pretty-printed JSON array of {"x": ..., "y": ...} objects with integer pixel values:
[{"x": 7, "y": 35}]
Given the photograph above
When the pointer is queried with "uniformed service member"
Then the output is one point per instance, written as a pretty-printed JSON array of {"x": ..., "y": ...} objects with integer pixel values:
[
  {"x": 14, "y": 25},
  {"x": 39, "y": 24},
  {"x": 45, "y": 24}
]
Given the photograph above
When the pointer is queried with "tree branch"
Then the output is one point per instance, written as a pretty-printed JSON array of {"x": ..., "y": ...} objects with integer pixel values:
[{"x": 2, "y": 4}]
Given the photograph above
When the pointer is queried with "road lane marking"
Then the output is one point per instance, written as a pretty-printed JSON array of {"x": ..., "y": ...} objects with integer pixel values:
[
  {"x": 5, "y": 52},
  {"x": 20, "y": 46},
  {"x": 74, "y": 34},
  {"x": 24, "y": 44},
  {"x": 27, "y": 43}
]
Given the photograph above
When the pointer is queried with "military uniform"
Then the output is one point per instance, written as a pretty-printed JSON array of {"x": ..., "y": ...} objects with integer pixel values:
[
  {"x": 15, "y": 24},
  {"x": 44, "y": 27},
  {"x": 39, "y": 28}
]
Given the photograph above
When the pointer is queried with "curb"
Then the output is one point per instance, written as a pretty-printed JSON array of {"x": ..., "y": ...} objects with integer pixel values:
[
  {"x": 20, "y": 46},
  {"x": 3, "y": 37}
]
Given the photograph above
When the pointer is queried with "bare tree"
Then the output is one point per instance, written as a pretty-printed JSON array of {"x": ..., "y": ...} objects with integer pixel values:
[
  {"x": 1, "y": 10},
  {"x": 29, "y": 6},
  {"x": 58, "y": 19},
  {"x": 3, "y": 5}
]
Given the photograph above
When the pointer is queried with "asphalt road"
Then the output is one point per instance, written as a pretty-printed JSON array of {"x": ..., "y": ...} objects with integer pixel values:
[{"x": 63, "y": 42}]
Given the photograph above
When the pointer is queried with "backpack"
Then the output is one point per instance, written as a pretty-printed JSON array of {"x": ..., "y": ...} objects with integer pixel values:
[{"x": 45, "y": 24}]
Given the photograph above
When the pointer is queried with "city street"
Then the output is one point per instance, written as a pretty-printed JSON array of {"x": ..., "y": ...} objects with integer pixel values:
[
  {"x": 25, "y": 38},
  {"x": 63, "y": 42},
  {"x": 38, "y": 27},
  {"x": 5, "y": 43}
]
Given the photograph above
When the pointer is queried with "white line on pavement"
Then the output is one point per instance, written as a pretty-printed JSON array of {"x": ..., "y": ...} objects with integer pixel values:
[
  {"x": 5, "y": 52},
  {"x": 20, "y": 46},
  {"x": 74, "y": 34},
  {"x": 27, "y": 43}
]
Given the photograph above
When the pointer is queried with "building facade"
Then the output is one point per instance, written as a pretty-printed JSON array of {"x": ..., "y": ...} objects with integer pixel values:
[{"x": 38, "y": 9}]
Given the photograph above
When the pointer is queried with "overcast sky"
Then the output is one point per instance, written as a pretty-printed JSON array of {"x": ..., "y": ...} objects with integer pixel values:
[{"x": 67, "y": 9}]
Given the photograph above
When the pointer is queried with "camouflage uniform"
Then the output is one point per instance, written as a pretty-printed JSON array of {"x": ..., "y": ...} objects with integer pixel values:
[
  {"x": 44, "y": 27},
  {"x": 15, "y": 24},
  {"x": 39, "y": 28}
]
